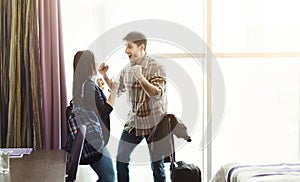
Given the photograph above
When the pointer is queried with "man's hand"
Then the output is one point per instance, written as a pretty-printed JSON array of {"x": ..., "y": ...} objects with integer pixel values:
[
  {"x": 137, "y": 72},
  {"x": 103, "y": 69},
  {"x": 114, "y": 86}
]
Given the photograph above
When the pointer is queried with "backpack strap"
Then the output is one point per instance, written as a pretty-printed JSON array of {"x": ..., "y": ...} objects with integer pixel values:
[
  {"x": 82, "y": 93},
  {"x": 82, "y": 89}
]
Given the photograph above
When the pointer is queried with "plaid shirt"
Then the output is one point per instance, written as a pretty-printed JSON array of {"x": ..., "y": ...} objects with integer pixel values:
[{"x": 145, "y": 112}]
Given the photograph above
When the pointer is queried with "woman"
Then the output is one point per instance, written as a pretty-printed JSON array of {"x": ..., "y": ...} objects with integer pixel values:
[{"x": 89, "y": 95}]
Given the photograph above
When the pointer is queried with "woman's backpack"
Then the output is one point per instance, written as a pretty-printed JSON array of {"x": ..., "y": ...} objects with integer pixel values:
[{"x": 94, "y": 140}]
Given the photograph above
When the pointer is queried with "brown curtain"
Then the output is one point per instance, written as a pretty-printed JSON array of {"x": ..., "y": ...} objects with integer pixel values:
[
  {"x": 32, "y": 81},
  {"x": 21, "y": 113}
]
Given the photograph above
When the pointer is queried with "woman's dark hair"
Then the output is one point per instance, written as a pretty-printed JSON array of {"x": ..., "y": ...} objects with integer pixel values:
[
  {"x": 84, "y": 68},
  {"x": 137, "y": 38}
]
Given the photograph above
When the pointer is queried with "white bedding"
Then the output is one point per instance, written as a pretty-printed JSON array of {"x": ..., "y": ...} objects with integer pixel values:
[{"x": 258, "y": 173}]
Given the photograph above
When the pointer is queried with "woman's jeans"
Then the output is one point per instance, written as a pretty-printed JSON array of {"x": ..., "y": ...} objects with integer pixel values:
[
  {"x": 104, "y": 167},
  {"x": 127, "y": 144}
]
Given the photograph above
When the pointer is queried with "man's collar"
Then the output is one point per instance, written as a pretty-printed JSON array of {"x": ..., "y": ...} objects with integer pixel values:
[{"x": 145, "y": 61}]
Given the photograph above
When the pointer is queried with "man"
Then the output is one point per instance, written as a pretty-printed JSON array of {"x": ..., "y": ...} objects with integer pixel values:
[{"x": 144, "y": 82}]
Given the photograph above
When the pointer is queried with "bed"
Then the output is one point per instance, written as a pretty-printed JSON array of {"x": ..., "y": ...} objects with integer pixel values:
[{"x": 287, "y": 172}]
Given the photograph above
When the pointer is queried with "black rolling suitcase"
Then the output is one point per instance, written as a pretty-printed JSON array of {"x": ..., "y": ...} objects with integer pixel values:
[{"x": 181, "y": 171}]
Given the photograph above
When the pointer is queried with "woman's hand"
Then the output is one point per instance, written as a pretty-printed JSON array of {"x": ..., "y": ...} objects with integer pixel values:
[
  {"x": 113, "y": 92},
  {"x": 100, "y": 83}
]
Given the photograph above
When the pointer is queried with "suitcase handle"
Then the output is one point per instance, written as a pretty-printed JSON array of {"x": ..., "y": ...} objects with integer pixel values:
[{"x": 171, "y": 140}]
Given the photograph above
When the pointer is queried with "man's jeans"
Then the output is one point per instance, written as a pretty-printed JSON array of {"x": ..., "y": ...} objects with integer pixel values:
[{"x": 127, "y": 144}]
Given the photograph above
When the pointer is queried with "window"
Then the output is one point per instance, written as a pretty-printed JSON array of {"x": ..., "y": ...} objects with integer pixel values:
[{"x": 256, "y": 45}]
